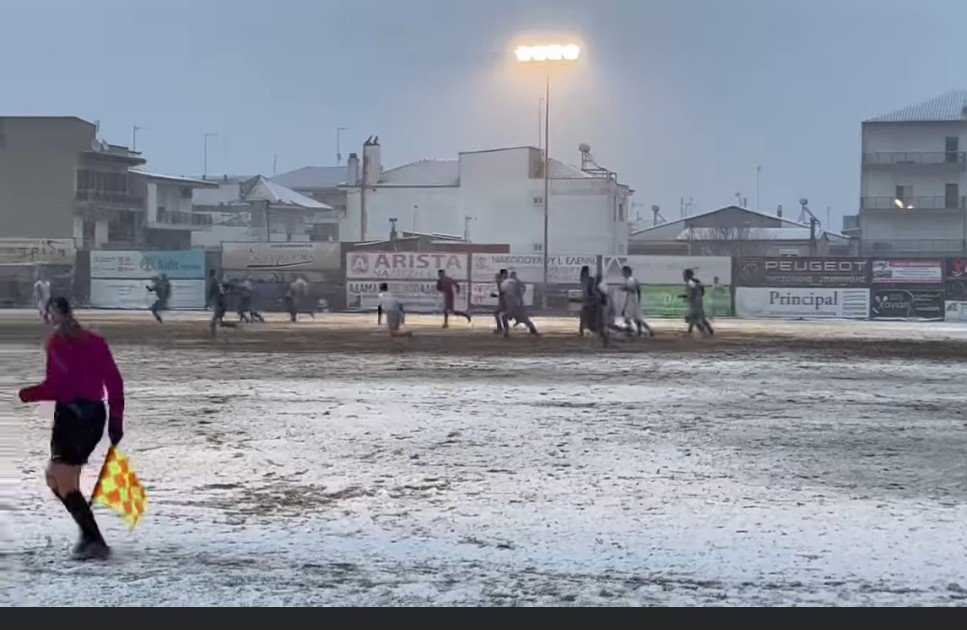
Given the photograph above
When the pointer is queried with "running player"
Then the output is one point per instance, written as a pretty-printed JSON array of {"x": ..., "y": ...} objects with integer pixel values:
[
  {"x": 632, "y": 307},
  {"x": 695, "y": 297},
  {"x": 42, "y": 296},
  {"x": 79, "y": 369},
  {"x": 501, "y": 310},
  {"x": 512, "y": 290},
  {"x": 161, "y": 288},
  {"x": 393, "y": 309},
  {"x": 448, "y": 287}
]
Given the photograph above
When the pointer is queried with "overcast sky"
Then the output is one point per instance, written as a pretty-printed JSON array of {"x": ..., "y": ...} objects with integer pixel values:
[{"x": 680, "y": 97}]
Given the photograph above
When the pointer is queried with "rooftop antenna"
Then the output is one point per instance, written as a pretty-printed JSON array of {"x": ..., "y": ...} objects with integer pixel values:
[{"x": 656, "y": 215}]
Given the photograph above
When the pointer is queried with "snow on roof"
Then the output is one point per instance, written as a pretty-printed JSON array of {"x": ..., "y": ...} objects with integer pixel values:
[
  {"x": 785, "y": 221},
  {"x": 423, "y": 173},
  {"x": 950, "y": 106},
  {"x": 174, "y": 178},
  {"x": 752, "y": 234},
  {"x": 276, "y": 194},
  {"x": 312, "y": 177}
]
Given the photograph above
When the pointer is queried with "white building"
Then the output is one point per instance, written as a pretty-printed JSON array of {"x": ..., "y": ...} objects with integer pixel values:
[
  {"x": 256, "y": 209},
  {"x": 494, "y": 196},
  {"x": 914, "y": 179}
]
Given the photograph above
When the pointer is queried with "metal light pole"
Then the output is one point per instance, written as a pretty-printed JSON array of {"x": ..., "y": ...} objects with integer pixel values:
[
  {"x": 339, "y": 130},
  {"x": 134, "y": 136},
  {"x": 547, "y": 55},
  {"x": 207, "y": 135},
  {"x": 758, "y": 172}
]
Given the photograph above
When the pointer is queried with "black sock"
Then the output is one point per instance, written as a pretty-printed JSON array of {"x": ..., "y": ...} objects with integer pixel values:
[{"x": 78, "y": 507}]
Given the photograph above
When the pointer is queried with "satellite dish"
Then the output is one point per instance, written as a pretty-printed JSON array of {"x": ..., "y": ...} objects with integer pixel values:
[
  {"x": 584, "y": 147},
  {"x": 803, "y": 201}
]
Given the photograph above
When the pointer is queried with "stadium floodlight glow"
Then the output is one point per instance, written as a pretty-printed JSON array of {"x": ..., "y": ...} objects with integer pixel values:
[
  {"x": 898, "y": 203},
  {"x": 548, "y": 52}
]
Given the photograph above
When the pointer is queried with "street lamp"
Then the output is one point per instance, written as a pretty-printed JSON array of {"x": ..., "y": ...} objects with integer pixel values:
[{"x": 548, "y": 55}]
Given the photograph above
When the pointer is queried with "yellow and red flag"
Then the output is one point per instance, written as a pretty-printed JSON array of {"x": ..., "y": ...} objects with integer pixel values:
[{"x": 119, "y": 489}]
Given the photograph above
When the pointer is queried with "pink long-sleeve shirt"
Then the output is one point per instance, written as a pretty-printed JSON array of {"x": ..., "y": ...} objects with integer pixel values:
[{"x": 80, "y": 366}]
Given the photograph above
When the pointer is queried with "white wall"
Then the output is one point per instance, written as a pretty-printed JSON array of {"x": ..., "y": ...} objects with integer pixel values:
[
  {"x": 506, "y": 205},
  {"x": 920, "y": 136}
]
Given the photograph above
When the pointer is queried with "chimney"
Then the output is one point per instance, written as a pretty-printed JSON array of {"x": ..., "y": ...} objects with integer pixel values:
[
  {"x": 779, "y": 211},
  {"x": 372, "y": 165},
  {"x": 352, "y": 169}
]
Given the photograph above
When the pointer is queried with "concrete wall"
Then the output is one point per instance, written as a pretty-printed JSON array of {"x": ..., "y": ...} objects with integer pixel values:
[
  {"x": 38, "y": 164},
  {"x": 506, "y": 205}
]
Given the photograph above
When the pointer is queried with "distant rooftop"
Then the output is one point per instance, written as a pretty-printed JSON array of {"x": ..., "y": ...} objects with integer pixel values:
[
  {"x": 950, "y": 106},
  {"x": 174, "y": 178},
  {"x": 312, "y": 177}
]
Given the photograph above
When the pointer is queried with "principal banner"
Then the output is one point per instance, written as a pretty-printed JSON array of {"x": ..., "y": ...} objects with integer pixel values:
[
  {"x": 803, "y": 272},
  {"x": 417, "y": 297},
  {"x": 562, "y": 269},
  {"x": 905, "y": 303},
  {"x": 907, "y": 272},
  {"x": 405, "y": 265},
  {"x": 802, "y": 303},
  {"x": 260, "y": 257},
  {"x": 133, "y": 294},
  {"x": 182, "y": 264}
]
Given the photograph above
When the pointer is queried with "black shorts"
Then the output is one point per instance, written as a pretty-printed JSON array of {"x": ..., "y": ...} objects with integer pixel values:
[{"x": 78, "y": 427}]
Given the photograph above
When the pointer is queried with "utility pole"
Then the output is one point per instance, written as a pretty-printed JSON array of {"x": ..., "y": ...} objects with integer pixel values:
[
  {"x": 275, "y": 163},
  {"x": 758, "y": 200},
  {"x": 134, "y": 136},
  {"x": 207, "y": 135},
  {"x": 339, "y": 131},
  {"x": 362, "y": 198}
]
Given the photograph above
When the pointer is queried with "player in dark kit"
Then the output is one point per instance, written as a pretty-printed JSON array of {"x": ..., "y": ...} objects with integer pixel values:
[
  {"x": 695, "y": 298},
  {"x": 79, "y": 369},
  {"x": 594, "y": 303},
  {"x": 161, "y": 287},
  {"x": 216, "y": 299},
  {"x": 448, "y": 287}
]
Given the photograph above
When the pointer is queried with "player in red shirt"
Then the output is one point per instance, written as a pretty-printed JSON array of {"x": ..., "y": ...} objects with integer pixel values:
[
  {"x": 449, "y": 288},
  {"x": 79, "y": 369}
]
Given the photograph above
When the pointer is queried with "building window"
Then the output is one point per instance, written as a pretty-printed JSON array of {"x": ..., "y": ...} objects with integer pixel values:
[
  {"x": 904, "y": 192},
  {"x": 186, "y": 192},
  {"x": 952, "y": 196},
  {"x": 952, "y": 147}
]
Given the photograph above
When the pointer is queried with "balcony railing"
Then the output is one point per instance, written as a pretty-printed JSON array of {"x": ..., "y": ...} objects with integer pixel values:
[
  {"x": 179, "y": 218},
  {"x": 935, "y": 202},
  {"x": 916, "y": 158},
  {"x": 114, "y": 200}
]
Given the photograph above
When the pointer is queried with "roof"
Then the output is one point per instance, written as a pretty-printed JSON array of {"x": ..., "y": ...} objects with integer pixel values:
[
  {"x": 753, "y": 234},
  {"x": 311, "y": 177},
  {"x": 950, "y": 106},
  {"x": 278, "y": 195},
  {"x": 174, "y": 178},
  {"x": 788, "y": 222},
  {"x": 423, "y": 173}
]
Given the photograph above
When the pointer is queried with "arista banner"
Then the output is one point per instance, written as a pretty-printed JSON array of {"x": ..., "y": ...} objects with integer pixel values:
[
  {"x": 803, "y": 272},
  {"x": 801, "y": 303},
  {"x": 907, "y": 271},
  {"x": 405, "y": 265}
]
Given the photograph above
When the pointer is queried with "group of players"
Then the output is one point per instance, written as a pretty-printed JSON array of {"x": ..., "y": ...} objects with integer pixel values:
[{"x": 600, "y": 307}]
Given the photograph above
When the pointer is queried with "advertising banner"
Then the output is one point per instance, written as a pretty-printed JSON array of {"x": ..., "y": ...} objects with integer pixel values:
[
  {"x": 50, "y": 251},
  {"x": 261, "y": 257},
  {"x": 416, "y": 296},
  {"x": 802, "y": 303},
  {"x": 803, "y": 272},
  {"x": 133, "y": 294},
  {"x": 405, "y": 265},
  {"x": 182, "y": 264},
  {"x": 955, "y": 279},
  {"x": 562, "y": 269},
  {"x": 668, "y": 269},
  {"x": 955, "y": 310},
  {"x": 921, "y": 272},
  {"x": 906, "y": 303}
]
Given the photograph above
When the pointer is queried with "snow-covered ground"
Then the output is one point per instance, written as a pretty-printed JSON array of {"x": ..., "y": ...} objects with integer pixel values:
[{"x": 458, "y": 468}]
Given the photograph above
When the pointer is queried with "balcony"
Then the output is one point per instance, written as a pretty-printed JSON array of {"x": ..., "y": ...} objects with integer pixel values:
[
  {"x": 935, "y": 202},
  {"x": 178, "y": 220},
  {"x": 952, "y": 159},
  {"x": 107, "y": 200}
]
